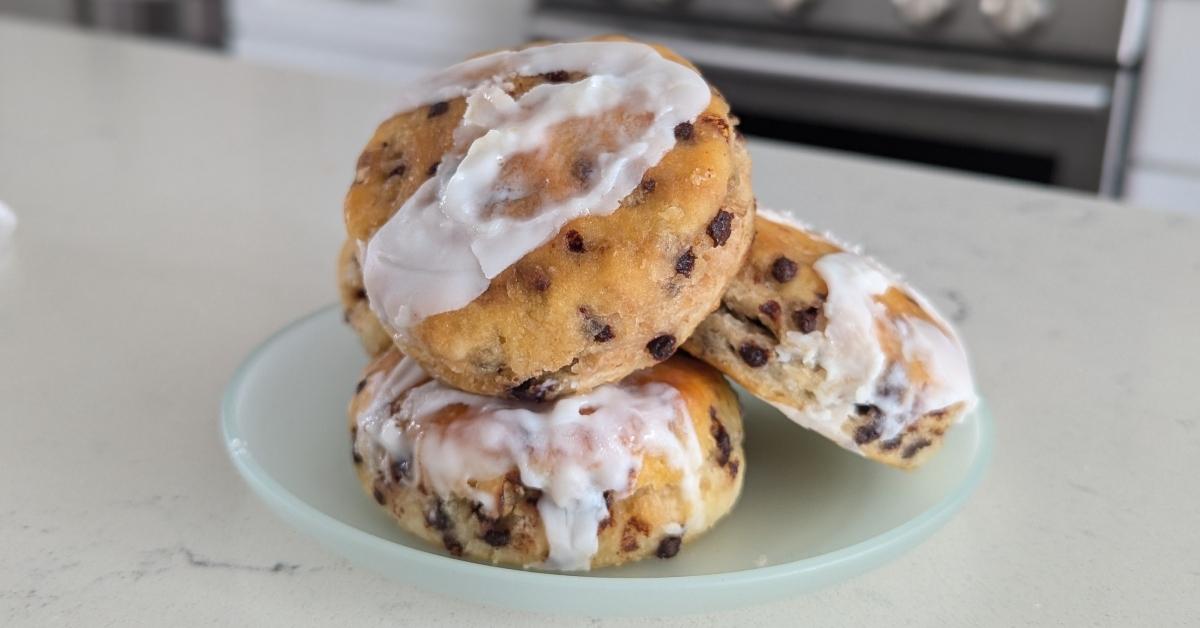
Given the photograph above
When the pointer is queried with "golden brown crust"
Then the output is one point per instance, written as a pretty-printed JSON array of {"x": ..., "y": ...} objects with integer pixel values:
[
  {"x": 778, "y": 291},
  {"x": 355, "y": 309},
  {"x": 637, "y": 527},
  {"x": 608, "y": 294}
]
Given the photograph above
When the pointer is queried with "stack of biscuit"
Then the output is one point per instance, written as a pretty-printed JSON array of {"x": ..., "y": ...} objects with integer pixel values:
[{"x": 531, "y": 241}]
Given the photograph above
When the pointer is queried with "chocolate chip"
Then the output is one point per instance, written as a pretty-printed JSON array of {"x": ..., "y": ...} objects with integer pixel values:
[
  {"x": 398, "y": 171},
  {"x": 378, "y": 495},
  {"x": 869, "y": 431},
  {"x": 437, "y": 518},
  {"x": 753, "y": 355},
  {"x": 604, "y": 335},
  {"x": 557, "y": 76},
  {"x": 733, "y": 466},
  {"x": 595, "y": 326},
  {"x": 534, "y": 277},
  {"x": 720, "y": 227},
  {"x": 575, "y": 242},
  {"x": 890, "y": 390},
  {"x": 432, "y": 170},
  {"x": 661, "y": 347},
  {"x": 865, "y": 409},
  {"x": 583, "y": 169},
  {"x": 720, "y": 437},
  {"x": 608, "y": 504},
  {"x": 685, "y": 263},
  {"x": 770, "y": 309},
  {"x": 684, "y": 131},
  {"x": 360, "y": 294},
  {"x": 497, "y": 537},
  {"x": 401, "y": 468},
  {"x": 452, "y": 545},
  {"x": 668, "y": 547},
  {"x": 648, "y": 185},
  {"x": 362, "y": 383},
  {"x": 783, "y": 269},
  {"x": 438, "y": 108},
  {"x": 354, "y": 455},
  {"x": 531, "y": 390},
  {"x": 483, "y": 517},
  {"x": 912, "y": 448},
  {"x": 889, "y": 445},
  {"x": 806, "y": 319},
  {"x": 866, "y": 433}
]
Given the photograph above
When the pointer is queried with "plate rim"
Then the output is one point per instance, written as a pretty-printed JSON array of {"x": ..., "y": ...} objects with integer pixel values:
[{"x": 307, "y": 517}]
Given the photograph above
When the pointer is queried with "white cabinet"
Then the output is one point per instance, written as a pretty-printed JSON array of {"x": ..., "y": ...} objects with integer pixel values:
[
  {"x": 1164, "y": 157},
  {"x": 1163, "y": 188},
  {"x": 385, "y": 40}
]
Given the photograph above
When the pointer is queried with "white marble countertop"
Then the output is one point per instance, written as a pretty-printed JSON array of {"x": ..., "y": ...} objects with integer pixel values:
[{"x": 175, "y": 208}]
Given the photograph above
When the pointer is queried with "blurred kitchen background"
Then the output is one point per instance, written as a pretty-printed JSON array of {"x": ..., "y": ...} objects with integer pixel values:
[{"x": 1101, "y": 96}]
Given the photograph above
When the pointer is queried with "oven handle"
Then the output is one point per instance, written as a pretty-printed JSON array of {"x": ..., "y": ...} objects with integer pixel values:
[{"x": 895, "y": 77}]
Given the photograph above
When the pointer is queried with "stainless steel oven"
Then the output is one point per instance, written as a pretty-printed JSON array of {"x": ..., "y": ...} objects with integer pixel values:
[
  {"x": 195, "y": 21},
  {"x": 1039, "y": 90}
]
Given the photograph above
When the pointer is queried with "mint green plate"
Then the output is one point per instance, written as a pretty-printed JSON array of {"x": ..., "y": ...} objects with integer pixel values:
[{"x": 810, "y": 514}]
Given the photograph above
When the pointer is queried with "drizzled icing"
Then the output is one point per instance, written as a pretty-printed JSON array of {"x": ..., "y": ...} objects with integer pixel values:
[
  {"x": 573, "y": 449},
  {"x": 858, "y": 371},
  {"x": 442, "y": 247}
]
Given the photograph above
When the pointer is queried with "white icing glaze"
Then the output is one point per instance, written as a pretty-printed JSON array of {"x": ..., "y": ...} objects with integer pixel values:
[
  {"x": 785, "y": 218},
  {"x": 441, "y": 249},
  {"x": 782, "y": 218},
  {"x": 573, "y": 449},
  {"x": 857, "y": 370}
]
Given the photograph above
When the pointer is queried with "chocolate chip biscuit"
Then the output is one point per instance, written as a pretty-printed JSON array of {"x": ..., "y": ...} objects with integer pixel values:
[
  {"x": 654, "y": 481},
  {"x": 839, "y": 344},
  {"x": 607, "y": 294}
]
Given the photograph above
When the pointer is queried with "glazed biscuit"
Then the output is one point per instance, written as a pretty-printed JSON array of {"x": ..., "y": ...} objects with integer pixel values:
[
  {"x": 839, "y": 345},
  {"x": 616, "y": 288},
  {"x": 628, "y": 471}
]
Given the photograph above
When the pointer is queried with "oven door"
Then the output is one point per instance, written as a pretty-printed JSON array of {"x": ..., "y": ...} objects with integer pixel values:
[{"x": 1052, "y": 123}]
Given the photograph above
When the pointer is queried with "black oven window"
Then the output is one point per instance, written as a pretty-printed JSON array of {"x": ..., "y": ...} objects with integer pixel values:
[{"x": 987, "y": 160}]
